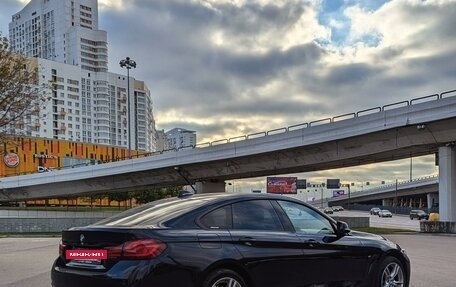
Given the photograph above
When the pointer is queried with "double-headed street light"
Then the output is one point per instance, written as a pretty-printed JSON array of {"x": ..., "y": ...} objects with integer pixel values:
[{"x": 128, "y": 63}]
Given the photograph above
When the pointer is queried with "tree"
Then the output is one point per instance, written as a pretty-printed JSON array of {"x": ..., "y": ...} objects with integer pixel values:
[
  {"x": 155, "y": 193},
  {"x": 21, "y": 95},
  {"x": 119, "y": 197}
]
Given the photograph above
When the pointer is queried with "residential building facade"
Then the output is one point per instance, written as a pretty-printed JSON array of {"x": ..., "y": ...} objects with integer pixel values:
[
  {"x": 179, "y": 138},
  {"x": 160, "y": 140},
  {"x": 88, "y": 103}
]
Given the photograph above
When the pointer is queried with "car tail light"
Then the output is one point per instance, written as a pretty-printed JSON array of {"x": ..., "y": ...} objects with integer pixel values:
[
  {"x": 137, "y": 249},
  {"x": 62, "y": 248}
]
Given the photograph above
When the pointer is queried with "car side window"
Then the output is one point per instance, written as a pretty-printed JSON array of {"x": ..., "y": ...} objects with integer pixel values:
[
  {"x": 305, "y": 219},
  {"x": 219, "y": 218},
  {"x": 256, "y": 215}
]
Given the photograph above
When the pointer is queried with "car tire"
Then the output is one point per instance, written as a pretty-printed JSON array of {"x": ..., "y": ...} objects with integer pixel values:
[
  {"x": 224, "y": 277},
  {"x": 391, "y": 273}
]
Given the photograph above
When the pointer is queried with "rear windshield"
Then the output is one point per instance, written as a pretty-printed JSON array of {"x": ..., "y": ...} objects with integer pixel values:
[{"x": 155, "y": 213}]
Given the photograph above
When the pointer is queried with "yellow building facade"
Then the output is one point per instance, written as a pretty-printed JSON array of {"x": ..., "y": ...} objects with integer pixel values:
[{"x": 24, "y": 155}]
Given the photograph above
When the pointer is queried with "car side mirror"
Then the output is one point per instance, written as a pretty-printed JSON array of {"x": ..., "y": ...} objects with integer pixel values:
[{"x": 342, "y": 228}]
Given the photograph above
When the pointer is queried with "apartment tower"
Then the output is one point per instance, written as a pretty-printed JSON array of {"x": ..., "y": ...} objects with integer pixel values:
[{"x": 89, "y": 104}]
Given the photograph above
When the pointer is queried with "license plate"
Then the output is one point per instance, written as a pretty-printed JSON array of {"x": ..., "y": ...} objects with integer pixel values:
[{"x": 86, "y": 254}]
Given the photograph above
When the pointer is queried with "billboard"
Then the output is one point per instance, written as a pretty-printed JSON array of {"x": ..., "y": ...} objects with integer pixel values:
[
  {"x": 301, "y": 184},
  {"x": 333, "y": 183},
  {"x": 339, "y": 192},
  {"x": 281, "y": 185}
]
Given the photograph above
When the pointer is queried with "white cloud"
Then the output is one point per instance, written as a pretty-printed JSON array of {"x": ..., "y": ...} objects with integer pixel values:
[
  {"x": 112, "y": 4},
  {"x": 398, "y": 24}
]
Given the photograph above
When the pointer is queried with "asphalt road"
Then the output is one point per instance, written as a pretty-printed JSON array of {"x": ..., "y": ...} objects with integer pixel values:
[
  {"x": 397, "y": 221},
  {"x": 26, "y": 262}
]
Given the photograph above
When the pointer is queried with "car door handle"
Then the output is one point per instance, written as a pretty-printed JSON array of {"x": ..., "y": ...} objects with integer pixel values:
[
  {"x": 247, "y": 240},
  {"x": 311, "y": 242}
]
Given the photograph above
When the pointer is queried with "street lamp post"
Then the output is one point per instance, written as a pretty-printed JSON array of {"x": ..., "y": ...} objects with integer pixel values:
[
  {"x": 321, "y": 190},
  {"x": 128, "y": 63},
  {"x": 397, "y": 200},
  {"x": 349, "y": 194}
]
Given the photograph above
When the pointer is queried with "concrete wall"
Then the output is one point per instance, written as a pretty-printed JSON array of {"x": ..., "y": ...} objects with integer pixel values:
[
  {"x": 28, "y": 221},
  {"x": 28, "y": 225},
  {"x": 53, "y": 214},
  {"x": 437, "y": 227}
]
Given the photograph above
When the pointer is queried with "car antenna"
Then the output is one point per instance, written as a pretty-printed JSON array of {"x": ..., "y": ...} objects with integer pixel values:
[
  {"x": 184, "y": 193},
  {"x": 179, "y": 171}
]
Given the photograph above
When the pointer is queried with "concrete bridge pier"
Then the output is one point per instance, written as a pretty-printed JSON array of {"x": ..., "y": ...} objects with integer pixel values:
[
  {"x": 432, "y": 198},
  {"x": 210, "y": 186},
  {"x": 447, "y": 183}
]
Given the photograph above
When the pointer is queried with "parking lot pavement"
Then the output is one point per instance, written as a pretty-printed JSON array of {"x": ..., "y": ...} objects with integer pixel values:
[
  {"x": 26, "y": 262},
  {"x": 433, "y": 258}
]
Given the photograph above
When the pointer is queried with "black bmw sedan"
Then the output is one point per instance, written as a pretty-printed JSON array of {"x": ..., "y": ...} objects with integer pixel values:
[{"x": 227, "y": 240}]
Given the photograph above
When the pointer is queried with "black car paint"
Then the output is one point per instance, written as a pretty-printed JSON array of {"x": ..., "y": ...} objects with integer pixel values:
[
  {"x": 263, "y": 258},
  {"x": 419, "y": 214}
]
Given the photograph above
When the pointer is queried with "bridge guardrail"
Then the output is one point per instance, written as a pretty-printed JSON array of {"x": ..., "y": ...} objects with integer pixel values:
[
  {"x": 297, "y": 127},
  {"x": 400, "y": 104},
  {"x": 382, "y": 188},
  {"x": 425, "y": 98},
  {"x": 320, "y": 122},
  {"x": 277, "y": 131},
  {"x": 235, "y": 139},
  {"x": 344, "y": 117},
  {"x": 447, "y": 93},
  {"x": 256, "y": 135},
  {"x": 368, "y": 111}
]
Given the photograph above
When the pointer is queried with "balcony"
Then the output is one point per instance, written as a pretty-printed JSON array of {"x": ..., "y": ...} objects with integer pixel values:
[{"x": 123, "y": 99}]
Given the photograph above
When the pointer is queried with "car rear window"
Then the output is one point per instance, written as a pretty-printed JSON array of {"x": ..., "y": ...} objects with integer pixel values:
[
  {"x": 218, "y": 219},
  {"x": 155, "y": 213}
]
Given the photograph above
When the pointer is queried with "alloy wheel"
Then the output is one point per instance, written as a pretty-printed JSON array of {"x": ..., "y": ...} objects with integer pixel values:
[
  {"x": 392, "y": 276},
  {"x": 226, "y": 282}
]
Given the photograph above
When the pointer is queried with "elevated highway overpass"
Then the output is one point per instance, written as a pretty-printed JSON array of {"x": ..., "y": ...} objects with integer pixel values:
[
  {"x": 428, "y": 186},
  {"x": 406, "y": 129}
]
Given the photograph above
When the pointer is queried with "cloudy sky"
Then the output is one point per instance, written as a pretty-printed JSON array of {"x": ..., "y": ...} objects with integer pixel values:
[{"x": 232, "y": 67}]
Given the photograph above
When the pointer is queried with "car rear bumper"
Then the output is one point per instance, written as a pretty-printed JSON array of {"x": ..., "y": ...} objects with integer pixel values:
[
  {"x": 61, "y": 276},
  {"x": 135, "y": 273}
]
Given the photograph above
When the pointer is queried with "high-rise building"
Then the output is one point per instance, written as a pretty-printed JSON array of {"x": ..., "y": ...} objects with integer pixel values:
[
  {"x": 178, "y": 138},
  {"x": 65, "y": 31},
  {"x": 160, "y": 140},
  {"x": 89, "y": 104}
]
